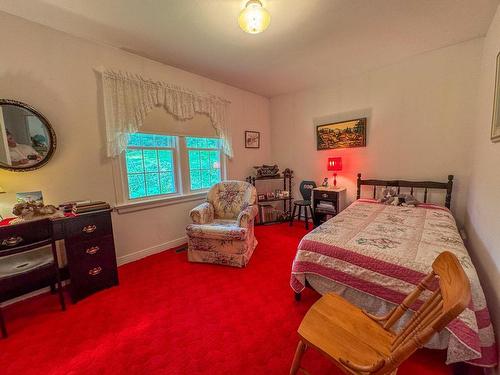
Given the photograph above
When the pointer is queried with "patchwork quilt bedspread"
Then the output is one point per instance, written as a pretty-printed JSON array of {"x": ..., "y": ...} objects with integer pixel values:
[{"x": 384, "y": 251}]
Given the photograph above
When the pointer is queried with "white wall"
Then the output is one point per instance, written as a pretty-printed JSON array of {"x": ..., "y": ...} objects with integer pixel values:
[
  {"x": 483, "y": 203},
  {"x": 53, "y": 72},
  {"x": 419, "y": 127}
]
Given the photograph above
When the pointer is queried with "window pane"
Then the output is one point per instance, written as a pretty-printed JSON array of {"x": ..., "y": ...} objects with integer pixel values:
[
  {"x": 166, "y": 158},
  {"x": 192, "y": 142},
  {"x": 195, "y": 180},
  {"x": 214, "y": 159},
  {"x": 213, "y": 143},
  {"x": 164, "y": 141},
  {"x": 167, "y": 183},
  {"x": 205, "y": 179},
  {"x": 150, "y": 160},
  {"x": 205, "y": 159},
  {"x": 147, "y": 140},
  {"x": 194, "y": 159},
  {"x": 136, "y": 188},
  {"x": 152, "y": 184},
  {"x": 133, "y": 159},
  {"x": 214, "y": 176},
  {"x": 134, "y": 139}
]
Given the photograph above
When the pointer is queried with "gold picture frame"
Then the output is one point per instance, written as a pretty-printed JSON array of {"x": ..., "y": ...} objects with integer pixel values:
[
  {"x": 495, "y": 122},
  {"x": 343, "y": 134}
]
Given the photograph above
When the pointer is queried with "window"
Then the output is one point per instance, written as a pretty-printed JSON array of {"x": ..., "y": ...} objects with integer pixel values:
[
  {"x": 150, "y": 165},
  {"x": 204, "y": 162},
  {"x": 162, "y": 165}
]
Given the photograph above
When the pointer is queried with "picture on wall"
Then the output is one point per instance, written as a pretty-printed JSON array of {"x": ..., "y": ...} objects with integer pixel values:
[
  {"x": 495, "y": 123},
  {"x": 344, "y": 134},
  {"x": 252, "y": 139}
]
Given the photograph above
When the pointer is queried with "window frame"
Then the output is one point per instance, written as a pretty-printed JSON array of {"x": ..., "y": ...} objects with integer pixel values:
[
  {"x": 188, "y": 170},
  {"x": 181, "y": 175},
  {"x": 175, "y": 169}
]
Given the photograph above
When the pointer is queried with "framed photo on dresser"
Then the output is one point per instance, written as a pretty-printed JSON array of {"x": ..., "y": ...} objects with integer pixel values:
[{"x": 495, "y": 122}]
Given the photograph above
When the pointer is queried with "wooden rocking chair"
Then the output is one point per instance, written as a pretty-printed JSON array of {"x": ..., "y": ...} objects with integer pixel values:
[{"x": 360, "y": 343}]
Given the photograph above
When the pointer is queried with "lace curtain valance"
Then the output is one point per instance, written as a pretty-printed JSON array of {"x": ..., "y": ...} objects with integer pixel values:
[{"x": 129, "y": 98}]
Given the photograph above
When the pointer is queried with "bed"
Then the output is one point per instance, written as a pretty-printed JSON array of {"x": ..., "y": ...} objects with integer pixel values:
[{"x": 374, "y": 254}]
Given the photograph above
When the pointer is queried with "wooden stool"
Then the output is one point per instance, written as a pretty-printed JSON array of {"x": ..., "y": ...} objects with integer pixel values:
[{"x": 306, "y": 188}]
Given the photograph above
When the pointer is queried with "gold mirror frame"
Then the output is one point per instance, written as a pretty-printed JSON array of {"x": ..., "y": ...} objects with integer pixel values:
[{"x": 50, "y": 130}]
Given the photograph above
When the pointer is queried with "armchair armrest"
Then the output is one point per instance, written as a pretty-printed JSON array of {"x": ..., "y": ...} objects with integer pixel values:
[
  {"x": 203, "y": 213},
  {"x": 246, "y": 216}
]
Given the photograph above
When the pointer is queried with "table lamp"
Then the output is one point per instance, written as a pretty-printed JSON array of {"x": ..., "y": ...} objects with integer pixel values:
[{"x": 335, "y": 165}]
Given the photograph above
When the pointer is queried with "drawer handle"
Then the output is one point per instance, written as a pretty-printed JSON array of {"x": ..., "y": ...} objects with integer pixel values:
[
  {"x": 325, "y": 195},
  {"x": 92, "y": 250},
  {"x": 95, "y": 271},
  {"x": 89, "y": 228},
  {"x": 12, "y": 241}
]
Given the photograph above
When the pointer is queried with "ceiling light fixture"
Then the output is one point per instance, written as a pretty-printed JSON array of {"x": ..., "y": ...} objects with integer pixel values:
[{"x": 254, "y": 18}]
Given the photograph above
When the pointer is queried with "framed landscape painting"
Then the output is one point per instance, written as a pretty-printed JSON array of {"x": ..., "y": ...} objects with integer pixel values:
[
  {"x": 344, "y": 134},
  {"x": 495, "y": 122}
]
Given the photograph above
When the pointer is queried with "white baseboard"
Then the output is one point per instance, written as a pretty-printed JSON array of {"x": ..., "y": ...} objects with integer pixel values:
[
  {"x": 121, "y": 261},
  {"x": 151, "y": 250}
]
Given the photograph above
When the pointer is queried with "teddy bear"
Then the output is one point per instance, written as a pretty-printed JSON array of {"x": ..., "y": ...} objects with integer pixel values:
[{"x": 390, "y": 196}]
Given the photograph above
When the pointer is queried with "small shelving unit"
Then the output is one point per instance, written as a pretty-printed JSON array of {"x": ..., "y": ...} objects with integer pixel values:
[{"x": 286, "y": 176}]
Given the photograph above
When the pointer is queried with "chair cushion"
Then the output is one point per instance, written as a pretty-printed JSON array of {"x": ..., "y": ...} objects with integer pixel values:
[
  {"x": 229, "y": 198},
  {"x": 17, "y": 264},
  {"x": 342, "y": 330},
  {"x": 218, "y": 229},
  {"x": 302, "y": 203}
]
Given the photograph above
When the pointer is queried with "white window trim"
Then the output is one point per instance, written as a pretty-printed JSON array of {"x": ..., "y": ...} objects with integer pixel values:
[{"x": 125, "y": 205}]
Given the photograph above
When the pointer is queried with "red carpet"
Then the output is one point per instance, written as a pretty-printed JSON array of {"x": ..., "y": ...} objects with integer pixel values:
[{"x": 169, "y": 316}]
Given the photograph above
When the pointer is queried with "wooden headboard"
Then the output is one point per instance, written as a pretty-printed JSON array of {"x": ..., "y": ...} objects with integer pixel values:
[{"x": 448, "y": 186}]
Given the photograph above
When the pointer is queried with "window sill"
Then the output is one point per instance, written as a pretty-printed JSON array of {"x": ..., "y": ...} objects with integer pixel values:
[{"x": 128, "y": 207}]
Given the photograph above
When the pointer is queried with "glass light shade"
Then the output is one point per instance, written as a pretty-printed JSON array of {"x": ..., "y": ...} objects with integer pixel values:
[
  {"x": 2, "y": 190},
  {"x": 254, "y": 18}
]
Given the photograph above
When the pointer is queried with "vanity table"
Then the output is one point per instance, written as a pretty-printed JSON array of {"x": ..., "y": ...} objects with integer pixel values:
[{"x": 90, "y": 250}]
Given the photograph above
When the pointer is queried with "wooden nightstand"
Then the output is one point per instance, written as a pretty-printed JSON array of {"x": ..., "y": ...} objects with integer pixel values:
[{"x": 327, "y": 202}]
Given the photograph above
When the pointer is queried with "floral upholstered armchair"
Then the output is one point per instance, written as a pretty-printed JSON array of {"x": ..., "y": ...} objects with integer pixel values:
[{"x": 223, "y": 227}]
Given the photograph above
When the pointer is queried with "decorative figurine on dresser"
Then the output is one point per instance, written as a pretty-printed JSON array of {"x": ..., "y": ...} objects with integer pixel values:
[{"x": 87, "y": 231}]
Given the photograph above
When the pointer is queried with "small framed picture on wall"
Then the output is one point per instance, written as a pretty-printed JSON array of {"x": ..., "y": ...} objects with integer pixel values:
[{"x": 252, "y": 139}]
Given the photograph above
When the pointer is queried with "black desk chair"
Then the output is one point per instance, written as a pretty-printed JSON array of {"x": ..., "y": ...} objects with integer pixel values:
[
  {"x": 25, "y": 263},
  {"x": 306, "y": 188}
]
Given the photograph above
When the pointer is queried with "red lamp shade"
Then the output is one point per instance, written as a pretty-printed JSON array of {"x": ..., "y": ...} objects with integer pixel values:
[{"x": 335, "y": 164}]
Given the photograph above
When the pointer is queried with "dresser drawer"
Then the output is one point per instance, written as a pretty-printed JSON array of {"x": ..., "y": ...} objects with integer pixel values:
[
  {"x": 92, "y": 277},
  {"x": 24, "y": 233},
  {"x": 96, "y": 249},
  {"x": 87, "y": 226},
  {"x": 325, "y": 194}
]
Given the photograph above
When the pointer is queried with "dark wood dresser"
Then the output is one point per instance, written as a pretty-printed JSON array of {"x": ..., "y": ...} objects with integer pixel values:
[{"x": 90, "y": 252}]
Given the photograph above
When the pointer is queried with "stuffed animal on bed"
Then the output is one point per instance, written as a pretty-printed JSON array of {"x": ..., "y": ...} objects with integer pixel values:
[
  {"x": 391, "y": 196},
  {"x": 388, "y": 196}
]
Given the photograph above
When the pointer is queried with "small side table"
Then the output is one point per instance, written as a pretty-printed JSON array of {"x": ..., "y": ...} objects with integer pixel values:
[{"x": 327, "y": 201}]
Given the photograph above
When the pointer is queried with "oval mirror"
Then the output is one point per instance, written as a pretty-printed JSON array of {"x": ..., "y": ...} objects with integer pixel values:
[{"x": 27, "y": 141}]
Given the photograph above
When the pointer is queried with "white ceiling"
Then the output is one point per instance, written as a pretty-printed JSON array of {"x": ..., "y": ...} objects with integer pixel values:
[{"x": 308, "y": 43}]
